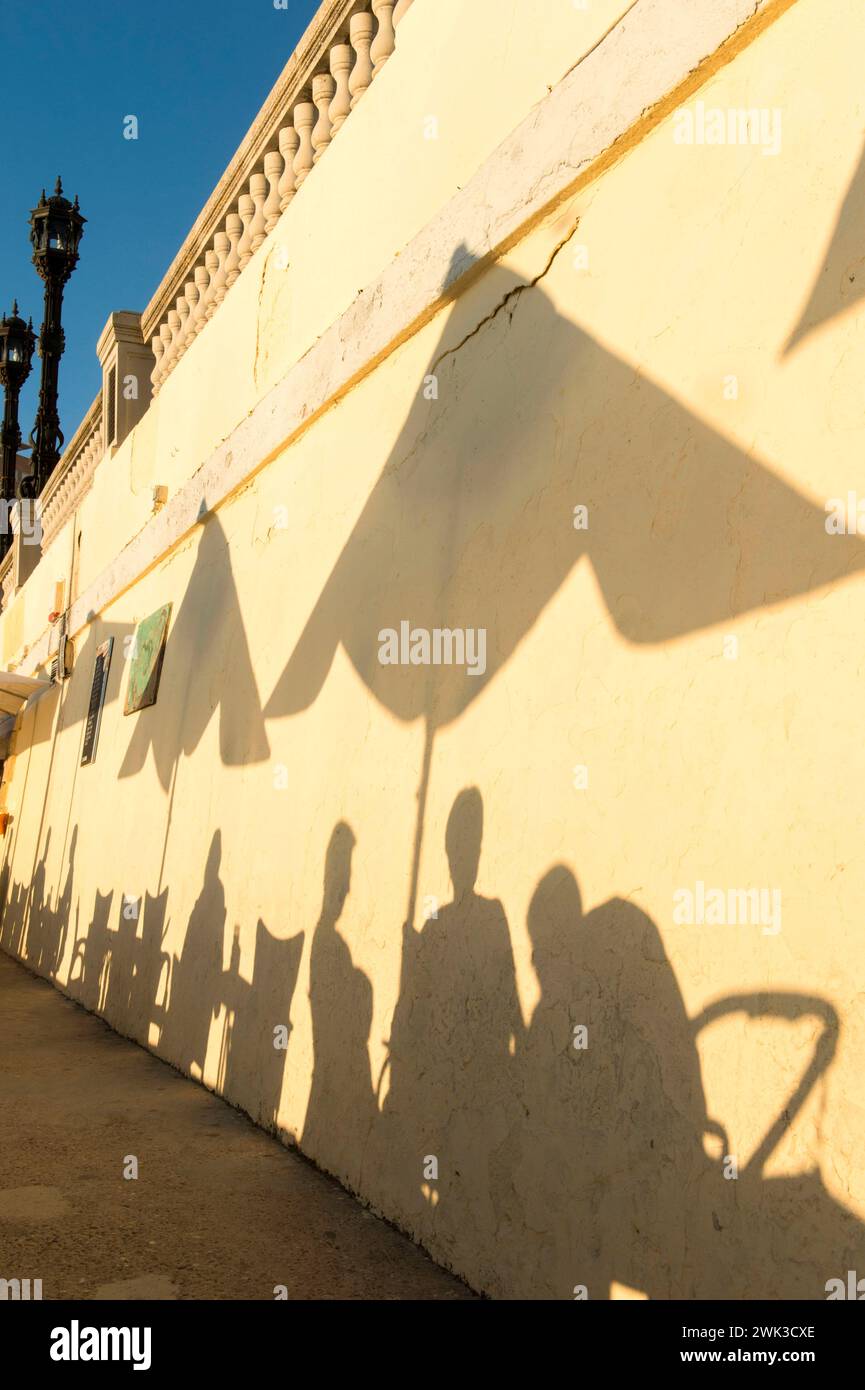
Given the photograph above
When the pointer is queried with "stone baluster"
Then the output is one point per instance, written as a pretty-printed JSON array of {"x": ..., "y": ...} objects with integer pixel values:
[
  {"x": 182, "y": 304},
  {"x": 258, "y": 193},
  {"x": 353, "y": 64},
  {"x": 273, "y": 163},
  {"x": 234, "y": 231},
  {"x": 385, "y": 40},
  {"x": 192, "y": 294},
  {"x": 174, "y": 325},
  {"x": 340, "y": 66},
  {"x": 360, "y": 30},
  {"x": 246, "y": 212},
  {"x": 201, "y": 275},
  {"x": 304, "y": 118},
  {"x": 158, "y": 349},
  {"x": 323, "y": 88},
  {"x": 217, "y": 259},
  {"x": 165, "y": 334},
  {"x": 289, "y": 142}
]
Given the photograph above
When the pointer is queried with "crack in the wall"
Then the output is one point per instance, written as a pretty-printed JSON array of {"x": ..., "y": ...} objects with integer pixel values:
[
  {"x": 511, "y": 294},
  {"x": 596, "y": 45}
]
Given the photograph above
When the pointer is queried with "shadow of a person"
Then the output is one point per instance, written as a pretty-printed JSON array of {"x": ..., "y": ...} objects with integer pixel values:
[
  {"x": 456, "y": 1030},
  {"x": 195, "y": 975},
  {"x": 39, "y": 927},
  {"x": 610, "y": 1078},
  {"x": 62, "y": 914},
  {"x": 7, "y": 893},
  {"x": 615, "y": 1177},
  {"x": 142, "y": 969},
  {"x": 341, "y": 1114},
  {"x": 134, "y": 966},
  {"x": 91, "y": 957},
  {"x": 13, "y": 920},
  {"x": 252, "y": 1064}
]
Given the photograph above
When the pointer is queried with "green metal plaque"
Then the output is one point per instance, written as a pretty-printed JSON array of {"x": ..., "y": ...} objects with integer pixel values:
[{"x": 147, "y": 653}]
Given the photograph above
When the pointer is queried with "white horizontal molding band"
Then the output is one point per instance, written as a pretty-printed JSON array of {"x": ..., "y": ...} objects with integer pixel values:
[{"x": 660, "y": 52}]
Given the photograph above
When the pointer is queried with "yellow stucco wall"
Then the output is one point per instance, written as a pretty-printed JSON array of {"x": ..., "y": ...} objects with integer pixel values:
[
  {"x": 289, "y": 801},
  {"x": 381, "y": 181}
]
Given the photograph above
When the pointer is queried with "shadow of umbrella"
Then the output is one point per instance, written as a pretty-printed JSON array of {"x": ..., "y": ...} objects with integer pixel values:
[
  {"x": 207, "y": 634},
  {"x": 840, "y": 282},
  {"x": 471, "y": 523},
  {"x": 207, "y": 637}
]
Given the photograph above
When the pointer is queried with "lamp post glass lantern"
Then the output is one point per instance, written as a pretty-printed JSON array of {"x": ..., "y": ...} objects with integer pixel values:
[
  {"x": 17, "y": 342},
  {"x": 56, "y": 228}
]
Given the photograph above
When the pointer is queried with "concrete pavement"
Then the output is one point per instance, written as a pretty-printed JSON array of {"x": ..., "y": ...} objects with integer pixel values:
[{"x": 219, "y": 1209}]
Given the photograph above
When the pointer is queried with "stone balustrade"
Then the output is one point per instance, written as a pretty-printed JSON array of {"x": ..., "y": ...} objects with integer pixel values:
[
  {"x": 340, "y": 55},
  {"x": 61, "y": 496},
  {"x": 74, "y": 473},
  {"x": 343, "y": 51}
]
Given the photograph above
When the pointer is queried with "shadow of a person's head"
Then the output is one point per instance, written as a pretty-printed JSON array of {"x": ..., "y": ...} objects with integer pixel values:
[
  {"x": 463, "y": 838},
  {"x": 555, "y": 910},
  {"x": 214, "y": 858},
  {"x": 337, "y": 871}
]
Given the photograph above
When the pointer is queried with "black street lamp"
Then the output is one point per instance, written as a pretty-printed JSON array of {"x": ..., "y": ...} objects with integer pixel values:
[
  {"x": 17, "y": 341},
  {"x": 56, "y": 226}
]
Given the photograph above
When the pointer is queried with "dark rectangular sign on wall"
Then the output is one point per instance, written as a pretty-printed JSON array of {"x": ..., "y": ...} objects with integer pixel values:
[{"x": 97, "y": 699}]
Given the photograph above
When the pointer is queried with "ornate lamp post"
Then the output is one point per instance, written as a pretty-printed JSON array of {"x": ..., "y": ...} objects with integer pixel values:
[
  {"x": 17, "y": 341},
  {"x": 56, "y": 226}
]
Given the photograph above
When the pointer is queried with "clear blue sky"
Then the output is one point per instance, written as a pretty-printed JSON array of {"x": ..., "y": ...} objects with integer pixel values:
[{"x": 194, "y": 74}]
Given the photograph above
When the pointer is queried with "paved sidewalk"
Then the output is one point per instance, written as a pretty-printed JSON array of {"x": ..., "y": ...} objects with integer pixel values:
[{"x": 219, "y": 1209}]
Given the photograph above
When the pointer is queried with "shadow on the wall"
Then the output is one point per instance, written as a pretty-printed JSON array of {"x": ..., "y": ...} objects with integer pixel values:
[
  {"x": 172, "y": 1002},
  {"x": 471, "y": 526},
  {"x": 569, "y": 1152},
  {"x": 554, "y": 1166},
  {"x": 31, "y": 927},
  {"x": 576, "y": 1151},
  {"x": 77, "y": 690},
  {"x": 256, "y": 1024},
  {"x": 74, "y": 693},
  {"x": 341, "y": 1111},
  {"x": 91, "y": 957},
  {"x": 471, "y": 523},
  {"x": 456, "y": 1034},
  {"x": 50, "y": 925},
  {"x": 207, "y": 665},
  {"x": 840, "y": 282}
]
